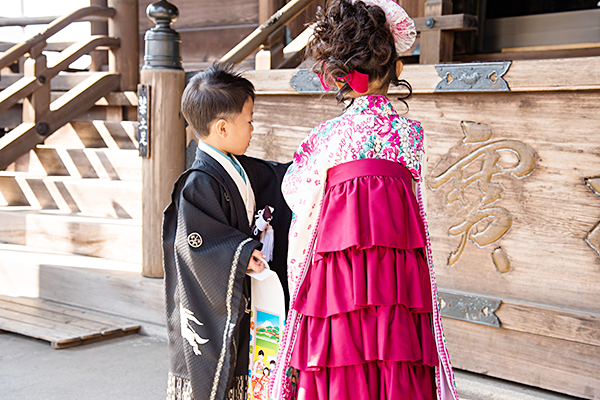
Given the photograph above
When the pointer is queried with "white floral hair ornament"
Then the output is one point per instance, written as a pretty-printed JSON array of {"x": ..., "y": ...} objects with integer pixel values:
[{"x": 401, "y": 25}]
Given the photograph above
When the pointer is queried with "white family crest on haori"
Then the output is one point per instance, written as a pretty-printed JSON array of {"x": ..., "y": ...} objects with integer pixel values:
[{"x": 188, "y": 332}]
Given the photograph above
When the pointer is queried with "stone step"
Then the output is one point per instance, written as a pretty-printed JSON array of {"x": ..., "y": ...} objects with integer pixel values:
[
  {"x": 89, "y": 197},
  {"x": 110, "y": 164},
  {"x": 109, "y": 238}
]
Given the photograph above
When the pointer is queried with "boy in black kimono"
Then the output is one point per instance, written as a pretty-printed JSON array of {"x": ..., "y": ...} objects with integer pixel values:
[{"x": 208, "y": 243}]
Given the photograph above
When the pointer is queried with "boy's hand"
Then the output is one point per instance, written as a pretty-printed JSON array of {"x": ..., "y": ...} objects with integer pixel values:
[{"x": 255, "y": 264}]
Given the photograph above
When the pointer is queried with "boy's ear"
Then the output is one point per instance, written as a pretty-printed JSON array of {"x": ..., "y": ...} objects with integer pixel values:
[{"x": 221, "y": 127}]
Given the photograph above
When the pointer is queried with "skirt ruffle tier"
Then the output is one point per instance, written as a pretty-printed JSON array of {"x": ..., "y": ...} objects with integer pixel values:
[{"x": 366, "y": 303}]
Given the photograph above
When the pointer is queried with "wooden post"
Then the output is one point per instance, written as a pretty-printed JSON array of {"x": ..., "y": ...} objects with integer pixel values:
[
  {"x": 436, "y": 45},
  {"x": 125, "y": 59},
  {"x": 99, "y": 57},
  {"x": 37, "y": 105},
  {"x": 166, "y": 159},
  {"x": 271, "y": 52}
]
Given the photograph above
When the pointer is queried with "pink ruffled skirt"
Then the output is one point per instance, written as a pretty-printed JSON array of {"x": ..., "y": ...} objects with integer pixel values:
[{"x": 366, "y": 300}]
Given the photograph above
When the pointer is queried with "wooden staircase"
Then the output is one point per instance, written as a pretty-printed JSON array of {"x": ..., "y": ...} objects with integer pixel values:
[
  {"x": 70, "y": 175},
  {"x": 80, "y": 191}
]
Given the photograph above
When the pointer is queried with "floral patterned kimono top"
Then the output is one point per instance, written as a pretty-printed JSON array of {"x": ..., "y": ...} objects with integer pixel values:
[{"x": 369, "y": 128}]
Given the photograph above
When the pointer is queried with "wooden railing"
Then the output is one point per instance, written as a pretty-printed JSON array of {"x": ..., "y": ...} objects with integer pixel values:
[
  {"x": 41, "y": 116},
  {"x": 267, "y": 36},
  {"x": 436, "y": 35}
]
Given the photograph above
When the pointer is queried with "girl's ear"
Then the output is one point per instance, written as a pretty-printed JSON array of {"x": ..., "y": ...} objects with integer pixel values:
[
  {"x": 399, "y": 68},
  {"x": 221, "y": 127}
]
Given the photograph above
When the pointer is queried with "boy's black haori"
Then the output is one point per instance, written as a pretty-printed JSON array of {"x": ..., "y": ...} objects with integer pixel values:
[{"x": 207, "y": 245}]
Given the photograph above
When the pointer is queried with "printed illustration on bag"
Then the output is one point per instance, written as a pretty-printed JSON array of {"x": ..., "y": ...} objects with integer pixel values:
[{"x": 265, "y": 334}]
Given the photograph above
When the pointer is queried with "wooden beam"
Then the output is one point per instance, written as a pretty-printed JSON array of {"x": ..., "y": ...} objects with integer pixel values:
[
  {"x": 452, "y": 22},
  {"x": 76, "y": 50},
  {"x": 437, "y": 46},
  {"x": 14, "y": 93},
  {"x": 553, "y": 323},
  {"x": 522, "y": 76}
]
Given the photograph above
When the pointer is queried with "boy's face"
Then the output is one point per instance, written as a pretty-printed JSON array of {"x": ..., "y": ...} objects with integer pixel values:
[{"x": 239, "y": 130}]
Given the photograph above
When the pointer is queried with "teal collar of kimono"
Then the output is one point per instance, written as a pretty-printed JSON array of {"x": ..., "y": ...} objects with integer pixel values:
[
  {"x": 371, "y": 104},
  {"x": 231, "y": 159}
]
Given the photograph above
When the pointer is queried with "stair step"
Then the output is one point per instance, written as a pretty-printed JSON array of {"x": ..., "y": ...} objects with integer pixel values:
[
  {"x": 91, "y": 197},
  {"x": 61, "y": 325},
  {"x": 96, "y": 134},
  {"x": 110, "y": 238},
  {"x": 110, "y": 164}
]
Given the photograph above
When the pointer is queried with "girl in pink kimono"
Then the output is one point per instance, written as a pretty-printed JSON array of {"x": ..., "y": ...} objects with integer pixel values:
[{"x": 364, "y": 322}]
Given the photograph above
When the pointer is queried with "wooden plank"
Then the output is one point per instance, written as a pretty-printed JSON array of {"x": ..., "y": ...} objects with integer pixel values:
[
  {"x": 108, "y": 335},
  {"x": 43, "y": 305},
  {"x": 109, "y": 238},
  {"x": 529, "y": 55},
  {"x": 127, "y": 98},
  {"x": 552, "y": 364},
  {"x": 205, "y": 13},
  {"x": 542, "y": 29},
  {"x": 38, "y": 315},
  {"x": 59, "y": 336},
  {"x": 26, "y": 329},
  {"x": 62, "y": 329},
  {"x": 571, "y": 46},
  {"x": 522, "y": 76},
  {"x": 454, "y": 22},
  {"x": 550, "y": 322}
]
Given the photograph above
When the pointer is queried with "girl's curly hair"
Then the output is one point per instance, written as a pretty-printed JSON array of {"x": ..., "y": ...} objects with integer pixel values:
[{"x": 354, "y": 36}]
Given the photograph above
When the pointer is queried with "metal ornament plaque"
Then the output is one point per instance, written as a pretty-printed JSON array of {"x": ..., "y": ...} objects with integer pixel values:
[
  {"x": 143, "y": 121},
  {"x": 472, "y": 77},
  {"x": 307, "y": 82},
  {"x": 479, "y": 310}
]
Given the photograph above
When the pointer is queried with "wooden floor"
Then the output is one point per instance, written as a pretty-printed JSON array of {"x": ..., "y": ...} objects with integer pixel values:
[{"x": 60, "y": 325}]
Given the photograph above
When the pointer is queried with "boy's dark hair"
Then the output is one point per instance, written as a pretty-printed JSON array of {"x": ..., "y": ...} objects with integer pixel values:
[
  {"x": 216, "y": 93},
  {"x": 353, "y": 36}
]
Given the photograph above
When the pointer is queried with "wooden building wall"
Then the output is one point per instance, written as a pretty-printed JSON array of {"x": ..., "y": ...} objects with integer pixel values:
[
  {"x": 526, "y": 166},
  {"x": 208, "y": 28}
]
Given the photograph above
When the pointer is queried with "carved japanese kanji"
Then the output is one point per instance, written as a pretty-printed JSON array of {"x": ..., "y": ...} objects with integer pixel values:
[
  {"x": 593, "y": 236},
  {"x": 484, "y": 224}
]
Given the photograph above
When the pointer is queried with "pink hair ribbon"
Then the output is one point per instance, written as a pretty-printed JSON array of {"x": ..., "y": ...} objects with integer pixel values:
[{"x": 356, "y": 80}]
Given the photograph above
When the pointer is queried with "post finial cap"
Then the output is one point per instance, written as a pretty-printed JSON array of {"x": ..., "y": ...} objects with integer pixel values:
[{"x": 162, "y": 12}]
